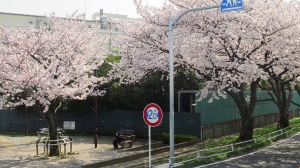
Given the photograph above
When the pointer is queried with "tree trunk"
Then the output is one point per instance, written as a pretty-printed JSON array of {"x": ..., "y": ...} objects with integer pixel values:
[
  {"x": 284, "y": 105},
  {"x": 284, "y": 119},
  {"x": 297, "y": 88},
  {"x": 246, "y": 113},
  {"x": 246, "y": 109},
  {"x": 50, "y": 118},
  {"x": 247, "y": 126}
]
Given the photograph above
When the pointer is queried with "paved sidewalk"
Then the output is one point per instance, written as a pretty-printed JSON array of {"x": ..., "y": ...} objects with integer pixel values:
[
  {"x": 20, "y": 151},
  {"x": 282, "y": 154}
]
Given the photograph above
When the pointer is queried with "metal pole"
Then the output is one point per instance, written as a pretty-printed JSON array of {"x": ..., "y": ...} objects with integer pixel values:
[
  {"x": 70, "y": 147},
  {"x": 95, "y": 122},
  {"x": 10, "y": 125},
  {"x": 149, "y": 136},
  {"x": 171, "y": 77},
  {"x": 26, "y": 123},
  {"x": 37, "y": 148},
  {"x": 171, "y": 23},
  {"x": 44, "y": 145},
  {"x": 65, "y": 149},
  {"x": 26, "y": 119}
]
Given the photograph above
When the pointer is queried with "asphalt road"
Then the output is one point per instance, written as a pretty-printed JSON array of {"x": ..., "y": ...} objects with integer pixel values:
[{"x": 284, "y": 153}]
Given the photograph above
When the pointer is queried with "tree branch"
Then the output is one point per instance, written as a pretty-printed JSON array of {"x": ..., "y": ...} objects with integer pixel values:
[{"x": 295, "y": 103}]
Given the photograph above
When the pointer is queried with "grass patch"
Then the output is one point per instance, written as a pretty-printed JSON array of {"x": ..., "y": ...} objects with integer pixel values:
[
  {"x": 222, "y": 148},
  {"x": 220, "y": 141}
]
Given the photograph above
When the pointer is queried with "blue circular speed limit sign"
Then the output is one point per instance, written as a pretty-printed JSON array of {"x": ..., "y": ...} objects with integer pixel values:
[{"x": 152, "y": 115}]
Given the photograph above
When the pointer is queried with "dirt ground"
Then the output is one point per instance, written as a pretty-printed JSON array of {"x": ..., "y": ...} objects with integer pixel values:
[{"x": 20, "y": 152}]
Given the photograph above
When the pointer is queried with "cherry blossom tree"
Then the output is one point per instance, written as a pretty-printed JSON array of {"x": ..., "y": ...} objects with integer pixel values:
[
  {"x": 43, "y": 67},
  {"x": 282, "y": 65},
  {"x": 226, "y": 49}
]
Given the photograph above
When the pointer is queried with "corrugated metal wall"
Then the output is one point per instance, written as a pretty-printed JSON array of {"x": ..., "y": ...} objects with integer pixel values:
[
  {"x": 225, "y": 109},
  {"x": 185, "y": 123}
]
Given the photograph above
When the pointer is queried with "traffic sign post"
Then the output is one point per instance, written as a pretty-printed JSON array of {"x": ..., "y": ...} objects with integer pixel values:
[{"x": 152, "y": 116}]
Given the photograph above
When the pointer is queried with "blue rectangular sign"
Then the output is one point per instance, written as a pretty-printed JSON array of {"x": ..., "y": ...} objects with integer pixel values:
[{"x": 231, "y": 5}]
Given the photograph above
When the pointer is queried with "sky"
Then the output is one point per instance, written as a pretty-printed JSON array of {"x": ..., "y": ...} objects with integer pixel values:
[{"x": 61, "y": 7}]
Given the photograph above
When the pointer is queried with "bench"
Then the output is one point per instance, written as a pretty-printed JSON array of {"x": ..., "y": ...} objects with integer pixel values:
[
  {"x": 127, "y": 139},
  {"x": 127, "y": 132},
  {"x": 45, "y": 132}
]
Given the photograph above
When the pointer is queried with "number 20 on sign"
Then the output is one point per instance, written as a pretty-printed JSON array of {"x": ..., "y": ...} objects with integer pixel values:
[{"x": 152, "y": 115}]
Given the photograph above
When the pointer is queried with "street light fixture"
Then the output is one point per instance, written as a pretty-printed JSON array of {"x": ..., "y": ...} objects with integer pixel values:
[{"x": 171, "y": 23}]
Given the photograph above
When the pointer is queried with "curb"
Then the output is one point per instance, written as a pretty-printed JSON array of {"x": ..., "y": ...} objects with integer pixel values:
[{"x": 139, "y": 156}]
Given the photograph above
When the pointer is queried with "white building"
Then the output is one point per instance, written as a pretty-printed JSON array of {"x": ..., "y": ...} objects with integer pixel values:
[{"x": 24, "y": 20}]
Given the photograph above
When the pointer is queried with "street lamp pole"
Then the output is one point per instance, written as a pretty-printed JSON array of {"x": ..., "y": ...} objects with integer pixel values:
[{"x": 171, "y": 23}]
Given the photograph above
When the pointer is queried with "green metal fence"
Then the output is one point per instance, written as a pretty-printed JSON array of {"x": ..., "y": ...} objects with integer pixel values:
[
  {"x": 225, "y": 109},
  {"x": 185, "y": 123}
]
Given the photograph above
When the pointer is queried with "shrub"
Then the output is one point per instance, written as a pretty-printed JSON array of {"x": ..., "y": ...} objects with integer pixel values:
[
  {"x": 178, "y": 138},
  {"x": 89, "y": 133}
]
